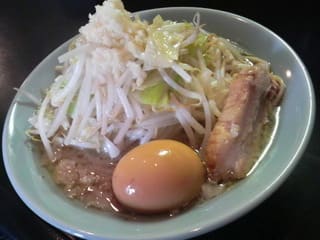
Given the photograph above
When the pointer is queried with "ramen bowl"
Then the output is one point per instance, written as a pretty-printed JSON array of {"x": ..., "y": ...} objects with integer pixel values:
[{"x": 34, "y": 186}]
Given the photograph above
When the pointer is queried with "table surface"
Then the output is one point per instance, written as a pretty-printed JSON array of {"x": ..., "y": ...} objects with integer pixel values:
[{"x": 30, "y": 30}]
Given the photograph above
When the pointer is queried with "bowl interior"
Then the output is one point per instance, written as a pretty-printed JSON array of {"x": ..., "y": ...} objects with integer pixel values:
[{"x": 35, "y": 188}]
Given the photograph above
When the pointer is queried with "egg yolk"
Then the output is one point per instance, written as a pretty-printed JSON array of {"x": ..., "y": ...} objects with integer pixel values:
[{"x": 158, "y": 176}]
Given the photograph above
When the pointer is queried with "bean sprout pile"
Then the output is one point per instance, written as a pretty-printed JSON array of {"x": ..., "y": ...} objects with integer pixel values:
[{"x": 125, "y": 81}]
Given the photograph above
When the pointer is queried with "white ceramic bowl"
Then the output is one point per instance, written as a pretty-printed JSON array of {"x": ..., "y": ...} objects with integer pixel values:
[{"x": 36, "y": 189}]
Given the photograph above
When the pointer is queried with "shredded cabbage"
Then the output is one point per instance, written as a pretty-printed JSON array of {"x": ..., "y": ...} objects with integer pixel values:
[{"x": 126, "y": 81}]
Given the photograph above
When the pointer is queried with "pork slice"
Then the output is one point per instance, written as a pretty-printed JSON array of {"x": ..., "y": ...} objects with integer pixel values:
[
  {"x": 229, "y": 153},
  {"x": 85, "y": 176}
]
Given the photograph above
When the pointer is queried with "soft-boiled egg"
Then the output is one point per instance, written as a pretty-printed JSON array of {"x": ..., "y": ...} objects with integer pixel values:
[{"x": 158, "y": 176}]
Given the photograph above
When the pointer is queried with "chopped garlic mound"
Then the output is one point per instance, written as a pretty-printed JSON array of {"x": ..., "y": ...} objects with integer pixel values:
[{"x": 112, "y": 26}]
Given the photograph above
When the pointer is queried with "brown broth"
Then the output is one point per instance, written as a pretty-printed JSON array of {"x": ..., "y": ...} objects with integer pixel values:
[{"x": 86, "y": 176}]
